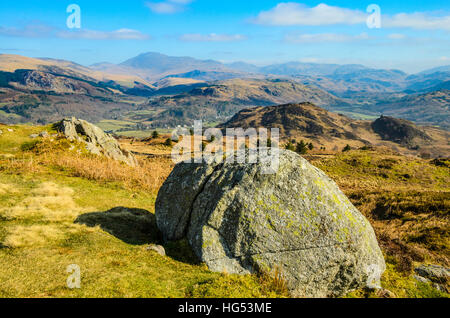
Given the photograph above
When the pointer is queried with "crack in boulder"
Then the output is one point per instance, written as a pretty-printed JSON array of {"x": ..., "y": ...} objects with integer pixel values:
[{"x": 199, "y": 192}]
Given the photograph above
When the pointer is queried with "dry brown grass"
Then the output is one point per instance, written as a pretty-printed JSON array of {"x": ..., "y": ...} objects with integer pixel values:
[
  {"x": 72, "y": 159},
  {"x": 149, "y": 175},
  {"x": 275, "y": 281},
  {"x": 20, "y": 164},
  {"x": 407, "y": 200},
  {"x": 412, "y": 226}
]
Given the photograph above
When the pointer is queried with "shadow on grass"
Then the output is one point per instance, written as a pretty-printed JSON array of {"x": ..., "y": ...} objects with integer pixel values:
[
  {"x": 132, "y": 226},
  {"x": 137, "y": 227},
  {"x": 181, "y": 251}
]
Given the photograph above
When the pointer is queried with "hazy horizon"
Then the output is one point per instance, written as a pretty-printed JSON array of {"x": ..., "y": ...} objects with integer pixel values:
[
  {"x": 224, "y": 62},
  {"x": 413, "y": 35}
]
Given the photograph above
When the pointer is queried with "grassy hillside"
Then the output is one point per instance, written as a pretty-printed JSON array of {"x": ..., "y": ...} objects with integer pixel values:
[
  {"x": 407, "y": 201},
  {"x": 45, "y": 185}
]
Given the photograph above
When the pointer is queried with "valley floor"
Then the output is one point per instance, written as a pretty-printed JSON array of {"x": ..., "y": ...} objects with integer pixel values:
[{"x": 45, "y": 185}]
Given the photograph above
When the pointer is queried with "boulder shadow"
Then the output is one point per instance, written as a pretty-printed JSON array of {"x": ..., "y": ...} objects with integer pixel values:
[
  {"x": 137, "y": 227},
  {"x": 132, "y": 226},
  {"x": 181, "y": 251}
]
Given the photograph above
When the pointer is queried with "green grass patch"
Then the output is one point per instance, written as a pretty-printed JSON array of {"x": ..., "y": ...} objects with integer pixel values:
[
  {"x": 115, "y": 124},
  {"x": 11, "y": 141}
]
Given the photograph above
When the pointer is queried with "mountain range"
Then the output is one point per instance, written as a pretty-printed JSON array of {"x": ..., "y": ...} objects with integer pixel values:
[
  {"x": 172, "y": 91},
  {"x": 332, "y": 77}
]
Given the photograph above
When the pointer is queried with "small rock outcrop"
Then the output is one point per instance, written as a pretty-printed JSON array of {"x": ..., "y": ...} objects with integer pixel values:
[
  {"x": 437, "y": 275},
  {"x": 400, "y": 131},
  {"x": 157, "y": 248},
  {"x": 96, "y": 140},
  {"x": 239, "y": 220}
]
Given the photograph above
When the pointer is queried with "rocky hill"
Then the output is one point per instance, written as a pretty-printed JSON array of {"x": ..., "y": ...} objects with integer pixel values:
[
  {"x": 44, "y": 97},
  {"x": 292, "y": 119},
  {"x": 333, "y": 131},
  {"x": 95, "y": 140},
  {"x": 11, "y": 63},
  {"x": 400, "y": 131}
]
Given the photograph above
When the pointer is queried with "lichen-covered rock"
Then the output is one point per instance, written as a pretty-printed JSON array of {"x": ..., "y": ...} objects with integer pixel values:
[
  {"x": 439, "y": 276},
  {"x": 433, "y": 272},
  {"x": 239, "y": 220},
  {"x": 96, "y": 140}
]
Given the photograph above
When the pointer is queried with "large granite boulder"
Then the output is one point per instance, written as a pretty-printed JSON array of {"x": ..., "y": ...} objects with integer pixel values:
[
  {"x": 96, "y": 140},
  {"x": 239, "y": 220}
]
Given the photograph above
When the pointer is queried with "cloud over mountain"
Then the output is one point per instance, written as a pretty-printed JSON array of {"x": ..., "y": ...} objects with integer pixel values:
[{"x": 213, "y": 37}]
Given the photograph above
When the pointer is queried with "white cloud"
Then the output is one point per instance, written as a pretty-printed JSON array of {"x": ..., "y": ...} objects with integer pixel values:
[
  {"x": 325, "y": 38},
  {"x": 212, "y": 37},
  {"x": 29, "y": 31},
  {"x": 121, "y": 34},
  {"x": 418, "y": 20},
  {"x": 291, "y": 13},
  {"x": 181, "y": 1},
  {"x": 168, "y": 7},
  {"x": 43, "y": 31},
  {"x": 397, "y": 36}
]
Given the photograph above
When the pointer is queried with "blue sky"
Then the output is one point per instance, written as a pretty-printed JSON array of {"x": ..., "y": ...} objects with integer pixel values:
[{"x": 414, "y": 35}]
